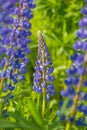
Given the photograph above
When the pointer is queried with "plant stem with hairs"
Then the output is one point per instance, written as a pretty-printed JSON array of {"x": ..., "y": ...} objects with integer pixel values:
[
  {"x": 43, "y": 90},
  {"x": 75, "y": 102},
  {"x": 43, "y": 77},
  {"x": 1, "y": 87}
]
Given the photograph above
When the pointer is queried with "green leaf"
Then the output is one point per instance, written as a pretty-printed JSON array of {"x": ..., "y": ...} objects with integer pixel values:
[
  {"x": 36, "y": 115},
  {"x": 23, "y": 123}
]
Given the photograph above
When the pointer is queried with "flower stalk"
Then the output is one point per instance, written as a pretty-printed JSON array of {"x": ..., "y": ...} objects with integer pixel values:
[
  {"x": 43, "y": 89},
  {"x": 43, "y": 73}
]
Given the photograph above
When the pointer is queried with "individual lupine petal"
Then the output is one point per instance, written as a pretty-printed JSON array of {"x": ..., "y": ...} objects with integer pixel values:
[
  {"x": 64, "y": 93},
  {"x": 84, "y": 110},
  {"x": 74, "y": 57},
  {"x": 81, "y": 70},
  {"x": 84, "y": 10},
  {"x": 70, "y": 92},
  {"x": 84, "y": 46},
  {"x": 43, "y": 85},
  {"x": 50, "y": 89},
  {"x": 72, "y": 70},
  {"x": 2, "y": 50},
  {"x": 82, "y": 33},
  {"x": 50, "y": 78},
  {"x": 35, "y": 88},
  {"x": 39, "y": 90},
  {"x": 25, "y": 24},
  {"x": 10, "y": 51},
  {"x": 47, "y": 97},
  {"x": 83, "y": 22},
  {"x": 38, "y": 75},
  {"x": 80, "y": 59},
  {"x": 71, "y": 81},
  {"x": 8, "y": 20},
  {"x": 42, "y": 68},
  {"x": 11, "y": 87},
  {"x": 50, "y": 70},
  {"x": 78, "y": 45}
]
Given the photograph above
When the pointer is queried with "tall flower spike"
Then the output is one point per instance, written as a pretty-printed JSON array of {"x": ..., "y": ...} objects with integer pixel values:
[
  {"x": 43, "y": 70},
  {"x": 77, "y": 75},
  {"x": 14, "y": 42}
]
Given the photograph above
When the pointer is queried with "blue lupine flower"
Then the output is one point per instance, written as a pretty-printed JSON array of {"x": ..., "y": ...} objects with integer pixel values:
[
  {"x": 43, "y": 70},
  {"x": 77, "y": 74},
  {"x": 15, "y": 39}
]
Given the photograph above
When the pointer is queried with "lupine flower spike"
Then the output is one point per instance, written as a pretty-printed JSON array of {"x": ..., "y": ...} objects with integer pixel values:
[
  {"x": 43, "y": 72},
  {"x": 14, "y": 42},
  {"x": 77, "y": 76}
]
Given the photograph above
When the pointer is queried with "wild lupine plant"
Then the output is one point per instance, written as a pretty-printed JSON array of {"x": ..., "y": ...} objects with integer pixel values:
[
  {"x": 14, "y": 39},
  {"x": 77, "y": 77},
  {"x": 43, "y": 72}
]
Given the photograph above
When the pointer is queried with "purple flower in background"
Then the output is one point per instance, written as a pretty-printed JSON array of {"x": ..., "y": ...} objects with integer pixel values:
[
  {"x": 77, "y": 74},
  {"x": 43, "y": 70}
]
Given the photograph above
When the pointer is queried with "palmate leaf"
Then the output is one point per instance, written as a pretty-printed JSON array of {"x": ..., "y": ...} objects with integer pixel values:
[{"x": 36, "y": 115}]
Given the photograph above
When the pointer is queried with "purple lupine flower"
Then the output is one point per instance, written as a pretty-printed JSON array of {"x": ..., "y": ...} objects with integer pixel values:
[
  {"x": 77, "y": 74},
  {"x": 43, "y": 70},
  {"x": 15, "y": 28}
]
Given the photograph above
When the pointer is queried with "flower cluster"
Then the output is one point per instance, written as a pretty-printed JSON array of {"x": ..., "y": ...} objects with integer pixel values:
[
  {"x": 43, "y": 70},
  {"x": 14, "y": 42},
  {"x": 15, "y": 25},
  {"x": 77, "y": 74}
]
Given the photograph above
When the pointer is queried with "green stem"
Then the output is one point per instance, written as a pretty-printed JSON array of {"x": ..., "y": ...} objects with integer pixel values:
[
  {"x": 43, "y": 105},
  {"x": 1, "y": 86},
  {"x": 75, "y": 102},
  {"x": 68, "y": 126},
  {"x": 38, "y": 101},
  {"x": 44, "y": 94}
]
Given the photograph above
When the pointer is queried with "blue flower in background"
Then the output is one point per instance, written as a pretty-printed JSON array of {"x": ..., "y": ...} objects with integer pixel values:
[
  {"x": 43, "y": 77},
  {"x": 77, "y": 74}
]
